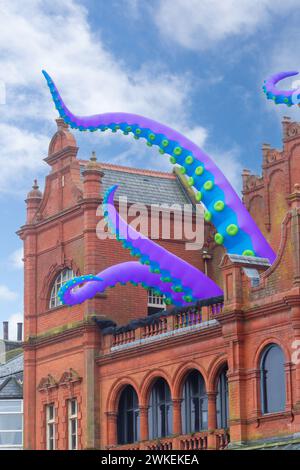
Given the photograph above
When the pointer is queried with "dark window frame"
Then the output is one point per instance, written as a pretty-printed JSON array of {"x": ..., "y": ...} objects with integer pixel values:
[
  {"x": 128, "y": 418},
  {"x": 222, "y": 399},
  {"x": 194, "y": 407},
  {"x": 160, "y": 412}
]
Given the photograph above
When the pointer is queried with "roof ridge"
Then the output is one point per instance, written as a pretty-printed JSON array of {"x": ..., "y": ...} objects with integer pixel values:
[{"x": 134, "y": 170}]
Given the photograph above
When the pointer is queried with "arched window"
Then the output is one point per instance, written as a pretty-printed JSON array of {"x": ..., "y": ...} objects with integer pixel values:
[
  {"x": 272, "y": 377},
  {"x": 222, "y": 400},
  {"x": 60, "y": 280},
  {"x": 128, "y": 416},
  {"x": 194, "y": 403},
  {"x": 160, "y": 410}
]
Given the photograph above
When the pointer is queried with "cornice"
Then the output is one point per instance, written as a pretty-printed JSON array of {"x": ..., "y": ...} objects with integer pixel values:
[{"x": 55, "y": 337}]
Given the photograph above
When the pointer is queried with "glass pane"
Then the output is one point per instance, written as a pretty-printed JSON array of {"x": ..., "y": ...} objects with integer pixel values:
[
  {"x": 10, "y": 438},
  {"x": 204, "y": 414},
  {"x": 273, "y": 380},
  {"x": 150, "y": 422},
  {"x": 10, "y": 422},
  {"x": 169, "y": 424},
  {"x": 136, "y": 426},
  {"x": 127, "y": 415},
  {"x": 63, "y": 277},
  {"x": 50, "y": 431},
  {"x": 73, "y": 426},
  {"x": 222, "y": 400},
  {"x": 195, "y": 418},
  {"x": 194, "y": 407},
  {"x": 74, "y": 442},
  {"x": 10, "y": 405},
  {"x": 159, "y": 431},
  {"x": 129, "y": 426},
  {"x": 160, "y": 412},
  {"x": 50, "y": 412}
]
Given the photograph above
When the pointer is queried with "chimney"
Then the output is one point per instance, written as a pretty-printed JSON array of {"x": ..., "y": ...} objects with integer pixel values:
[
  {"x": 92, "y": 178},
  {"x": 286, "y": 121},
  {"x": 245, "y": 175},
  {"x": 5, "y": 330},
  {"x": 265, "y": 151},
  {"x": 19, "y": 331}
]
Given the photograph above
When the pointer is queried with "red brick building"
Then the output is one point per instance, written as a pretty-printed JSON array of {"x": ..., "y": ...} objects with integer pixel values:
[{"x": 103, "y": 374}]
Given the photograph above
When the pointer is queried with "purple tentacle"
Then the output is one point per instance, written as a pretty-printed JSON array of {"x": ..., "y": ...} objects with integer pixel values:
[
  {"x": 184, "y": 277},
  {"x": 73, "y": 292},
  {"x": 277, "y": 95}
]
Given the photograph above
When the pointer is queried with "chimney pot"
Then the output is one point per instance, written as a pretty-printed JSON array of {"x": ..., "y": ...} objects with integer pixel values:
[
  {"x": 19, "y": 331},
  {"x": 5, "y": 330}
]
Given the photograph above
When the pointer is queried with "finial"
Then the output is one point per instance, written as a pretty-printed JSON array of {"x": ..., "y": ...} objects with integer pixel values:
[
  {"x": 35, "y": 193},
  {"x": 93, "y": 156},
  {"x": 61, "y": 125}
]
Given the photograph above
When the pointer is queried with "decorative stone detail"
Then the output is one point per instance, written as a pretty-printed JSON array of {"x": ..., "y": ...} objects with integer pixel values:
[
  {"x": 70, "y": 376},
  {"x": 47, "y": 383},
  {"x": 292, "y": 130}
]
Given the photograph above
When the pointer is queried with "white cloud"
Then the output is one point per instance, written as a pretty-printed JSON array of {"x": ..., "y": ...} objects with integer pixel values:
[
  {"x": 197, "y": 134},
  {"x": 55, "y": 35},
  {"x": 12, "y": 326},
  {"x": 200, "y": 24},
  {"x": 229, "y": 161},
  {"x": 16, "y": 259},
  {"x": 6, "y": 293},
  {"x": 20, "y": 155}
]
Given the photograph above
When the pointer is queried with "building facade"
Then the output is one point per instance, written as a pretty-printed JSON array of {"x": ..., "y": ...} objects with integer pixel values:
[{"x": 120, "y": 371}]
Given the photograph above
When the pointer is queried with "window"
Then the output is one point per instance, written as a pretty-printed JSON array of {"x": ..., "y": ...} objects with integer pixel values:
[
  {"x": 222, "y": 400},
  {"x": 160, "y": 410},
  {"x": 194, "y": 403},
  {"x": 253, "y": 275},
  {"x": 50, "y": 427},
  {"x": 11, "y": 424},
  {"x": 128, "y": 416},
  {"x": 60, "y": 280},
  {"x": 272, "y": 376},
  {"x": 156, "y": 301},
  {"x": 72, "y": 424}
]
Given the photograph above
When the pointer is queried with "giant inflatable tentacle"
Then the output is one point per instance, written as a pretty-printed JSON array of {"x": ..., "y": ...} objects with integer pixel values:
[
  {"x": 81, "y": 288},
  {"x": 236, "y": 229},
  {"x": 280, "y": 96},
  {"x": 182, "y": 277}
]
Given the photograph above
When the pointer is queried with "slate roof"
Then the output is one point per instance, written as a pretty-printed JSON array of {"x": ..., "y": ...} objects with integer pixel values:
[
  {"x": 253, "y": 260},
  {"x": 12, "y": 367},
  {"x": 144, "y": 186},
  {"x": 11, "y": 378}
]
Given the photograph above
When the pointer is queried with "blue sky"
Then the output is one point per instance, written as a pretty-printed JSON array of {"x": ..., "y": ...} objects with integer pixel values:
[{"x": 197, "y": 65}]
